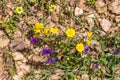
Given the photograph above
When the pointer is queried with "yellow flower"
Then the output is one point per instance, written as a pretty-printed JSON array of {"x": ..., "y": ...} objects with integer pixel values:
[
  {"x": 3, "y": 24},
  {"x": 52, "y": 8},
  {"x": 46, "y": 31},
  {"x": 54, "y": 30},
  {"x": 35, "y": 35},
  {"x": 38, "y": 25},
  {"x": 19, "y": 10},
  {"x": 89, "y": 34},
  {"x": 67, "y": 58},
  {"x": 70, "y": 32},
  {"x": 75, "y": 79},
  {"x": 88, "y": 42},
  {"x": 37, "y": 31},
  {"x": 80, "y": 47}
]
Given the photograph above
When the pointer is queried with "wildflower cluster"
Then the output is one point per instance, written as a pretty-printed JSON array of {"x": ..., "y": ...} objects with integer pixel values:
[
  {"x": 67, "y": 47},
  {"x": 52, "y": 55}
]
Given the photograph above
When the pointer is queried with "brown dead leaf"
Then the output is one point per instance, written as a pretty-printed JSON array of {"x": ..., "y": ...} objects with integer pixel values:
[
  {"x": 31, "y": 19},
  {"x": 117, "y": 71},
  {"x": 100, "y": 6},
  {"x": 54, "y": 17},
  {"x": 55, "y": 77},
  {"x": 17, "y": 77},
  {"x": 82, "y": 5},
  {"x": 115, "y": 7},
  {"x": 1, "y": 69},
  {"x": 38, "y": 58},
  {"x": 17, "y": 56},
  {"x": 105, "y": 73},
  {"x": 106, "y": 24},
  {"x": 4, "y": 41}
]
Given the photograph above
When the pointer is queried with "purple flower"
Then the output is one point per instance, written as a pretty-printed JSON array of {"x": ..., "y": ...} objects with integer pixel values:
[
  {"x": 95, "y": 65},
  {"x": 115, "y": 51},
  {"x": 49, "y": 60},
  {"x": 34, "y": 40},
  {"x": 46, "y": 50},
  {"x": 55, "y": 59},
  {"x": 53, "y": 53},
  {"x": 86, "y": 49}
]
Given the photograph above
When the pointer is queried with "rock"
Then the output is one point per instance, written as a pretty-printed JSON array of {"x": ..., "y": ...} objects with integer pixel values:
[
  {"x": 31, "y": 20},
  {"x": 17, "y": 56},
  {"x": 1, "y": 68},
  {"x": 90, "y": 16},
  {"x": 90, "y": 20},
  {"x": 100, "y": 6},
  {"x": 17, "y": 34},
  {"x": 117, "y": 19},
  {"x": 78, "y": 11},
  {"x": 4, "y": 41},
  {"x": 57, "y": 76},
  {"x": 22, "y": 68},
  {"x": 117, "y": 70},
  {"x": 54, "y": 17},
  {"x": 106, "y": 24},
  {"x": 38, "y": 58},
  {"x": 17, "y": 77},
  {"x": 28, "y": 43},
  {"x": 18, "y": 44},
  {"x": 82, "y": 5},
  {"x": 114, "y": 7},
  {"x": 85, "y": 77}
]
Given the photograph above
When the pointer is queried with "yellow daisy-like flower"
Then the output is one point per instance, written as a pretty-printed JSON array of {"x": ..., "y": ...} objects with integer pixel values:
[
  {"x": 52, "y": 8},
  {"x": 89, "y": 34},
  {"x": 37, "y": 31},
  {"x": 38, "y": 25},
  {"x": 88, "y": 42},
  {"x": 80, "y": 47},
  {"x": 19, "y": 10},
  {"x": 70, "y": 32},
  {"x": 54, "y": 30},
  {"x": 46, "y": 31}
]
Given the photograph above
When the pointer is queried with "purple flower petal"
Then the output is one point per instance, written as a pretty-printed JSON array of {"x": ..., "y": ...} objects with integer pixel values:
[
  {"x": 95, "y": 65},
  {"x": 46, "y": 50},
  {"x": 54, "y": 53},
  {"x": 55, "y": 59},
  {"x": 49, "y": 60},
  {"x": 86, "y": 49},
  {"x": 115, "y": 51},
  {"x": 34, "y": 40}
]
